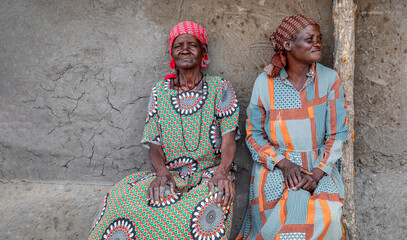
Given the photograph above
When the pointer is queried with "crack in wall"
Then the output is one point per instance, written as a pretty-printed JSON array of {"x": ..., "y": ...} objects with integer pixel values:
[
  {"x": 62, "y": 72},
  {"x": 91, "y": 154},
  {"x": 110, "y": 103},
  {"x": 137, "y": 99},
  {"x": 126, "y": 147}
]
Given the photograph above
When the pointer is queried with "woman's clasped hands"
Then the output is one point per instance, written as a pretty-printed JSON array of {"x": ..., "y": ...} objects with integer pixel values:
[{"x": 296, "y": 177}]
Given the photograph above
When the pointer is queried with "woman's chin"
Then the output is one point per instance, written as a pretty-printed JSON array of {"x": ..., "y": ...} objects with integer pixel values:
[
  {"x": 187, "y": 65},
  {"x": 317, "y": 56}
]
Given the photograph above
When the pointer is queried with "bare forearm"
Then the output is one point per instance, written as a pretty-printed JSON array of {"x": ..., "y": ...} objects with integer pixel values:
[
  {"x": 157, "y": 159},
  {"x": 228, "y": 152},
  {"x": 226, "y": 189},
  {"x": 156, "y": 189}
]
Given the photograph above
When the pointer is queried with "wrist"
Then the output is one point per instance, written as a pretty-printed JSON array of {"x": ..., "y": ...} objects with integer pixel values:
[
  {"x": 317, "y": 174},
  {"x": 162, "y": 172},
  {"x": 283, "y": 163},
  {"x": 221, "y": 170}
]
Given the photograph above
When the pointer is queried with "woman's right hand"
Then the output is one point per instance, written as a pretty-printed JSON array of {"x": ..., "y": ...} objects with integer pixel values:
[
  {"x": 292, "y": 173},
  {"x": 163, "y": 177},
  {"x": 155, "y": 192}
]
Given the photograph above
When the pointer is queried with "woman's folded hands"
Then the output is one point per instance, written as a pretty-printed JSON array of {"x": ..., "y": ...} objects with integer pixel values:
[{"x": 296, "y": 177}]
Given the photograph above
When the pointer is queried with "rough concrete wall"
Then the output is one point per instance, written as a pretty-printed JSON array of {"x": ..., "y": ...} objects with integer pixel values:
[
  {"x": 381, "y": 119},
  {"x": 75, "y": 78},
  {"x": 76, "y": 75}
]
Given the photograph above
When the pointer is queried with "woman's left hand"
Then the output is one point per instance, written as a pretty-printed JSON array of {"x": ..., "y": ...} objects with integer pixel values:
[
  {"x": 226, "y": 189},
  {"x": 310, "y": 183}
]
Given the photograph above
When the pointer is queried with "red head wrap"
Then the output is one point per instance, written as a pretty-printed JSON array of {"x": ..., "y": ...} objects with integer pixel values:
[
  {"x": 288, "y": 28},
  {"x": 187, "y": 28}
]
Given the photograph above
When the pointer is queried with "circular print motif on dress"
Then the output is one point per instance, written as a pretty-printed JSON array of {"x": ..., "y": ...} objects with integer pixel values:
[
  {"x": 185, "y": 166},
  {"x": 228, "y": 102},
  {"x": 139, "y": 179},
  {"x": 100, "y": 212},
  {"x": 120, "y": 229},
  {"x": 215, "y": 137},
  {"x": 152, "y": 104},
  {"x": 208, "y": 220},
  {"x": 188, "y": 103},
  {"x": 208, "y": 174},
  {"x": 168, "y": 200}
]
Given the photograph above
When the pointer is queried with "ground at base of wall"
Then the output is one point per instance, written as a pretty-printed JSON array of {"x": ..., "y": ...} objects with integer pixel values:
[
  {"x": 44, "y": 210},
  {"x": 38, "y": 210}
]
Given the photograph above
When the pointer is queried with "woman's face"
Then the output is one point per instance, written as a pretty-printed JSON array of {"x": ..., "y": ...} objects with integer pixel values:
[
  {"x": 307, "y": 45},
  {"x": 187, "y": 51}
]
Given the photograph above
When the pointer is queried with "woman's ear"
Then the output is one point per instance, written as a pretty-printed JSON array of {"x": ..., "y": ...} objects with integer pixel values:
[
  {"x": 205, "y": 49},
  {"x": 287, "y": 45}
]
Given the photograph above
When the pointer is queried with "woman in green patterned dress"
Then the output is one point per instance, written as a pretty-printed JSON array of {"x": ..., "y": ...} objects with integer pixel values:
[{"x": 190, "y": 132}]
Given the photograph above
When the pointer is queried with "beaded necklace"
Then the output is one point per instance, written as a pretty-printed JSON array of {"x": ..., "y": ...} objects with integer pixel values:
[{"x": 200, "y": 119}]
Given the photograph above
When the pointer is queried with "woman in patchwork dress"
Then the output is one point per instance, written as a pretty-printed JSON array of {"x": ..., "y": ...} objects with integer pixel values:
[
  {"x": 190, "y": 132},
  {"x": 296, "y": 127}
]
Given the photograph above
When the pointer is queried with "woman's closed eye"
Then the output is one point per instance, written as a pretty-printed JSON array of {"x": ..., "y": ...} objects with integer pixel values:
[{"x": 311, "y": 39}]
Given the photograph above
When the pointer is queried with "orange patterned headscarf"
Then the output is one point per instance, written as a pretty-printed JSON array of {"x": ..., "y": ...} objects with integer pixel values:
[
  {"x": 288, "y": 28},
  {"x": 187, "y": 28}
]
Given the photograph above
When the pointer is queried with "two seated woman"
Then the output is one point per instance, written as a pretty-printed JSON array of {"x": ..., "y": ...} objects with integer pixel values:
[{"x": 296, "y": 127}]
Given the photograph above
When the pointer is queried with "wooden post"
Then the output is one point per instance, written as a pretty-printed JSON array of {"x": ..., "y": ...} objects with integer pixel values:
[{"x": 344, "y": 62}]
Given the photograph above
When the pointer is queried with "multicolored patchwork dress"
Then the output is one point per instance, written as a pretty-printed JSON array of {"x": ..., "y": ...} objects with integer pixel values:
[
  {"x": 189, "y": 126},
  {"x": 308, "y": 127}
]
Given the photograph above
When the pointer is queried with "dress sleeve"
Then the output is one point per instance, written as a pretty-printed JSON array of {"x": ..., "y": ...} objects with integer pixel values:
[
  {"x": 336, "y": 131},
  {"x": 227, "y": 110},
  {"x": 260, "y": 146},
  {"x": 152, "y": 130}
]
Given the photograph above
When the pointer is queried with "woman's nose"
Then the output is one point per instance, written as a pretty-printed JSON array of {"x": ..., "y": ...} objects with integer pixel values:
[
  {"x": 317, "y": 42},
  {"x": 185, "y": 46}
]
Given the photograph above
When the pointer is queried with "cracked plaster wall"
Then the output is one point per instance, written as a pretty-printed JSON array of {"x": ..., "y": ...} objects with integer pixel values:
[{"x": 76, "y": 76}]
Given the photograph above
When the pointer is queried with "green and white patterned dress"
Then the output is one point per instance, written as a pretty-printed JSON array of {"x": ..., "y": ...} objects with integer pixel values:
[{"x": 200, "y": 119}]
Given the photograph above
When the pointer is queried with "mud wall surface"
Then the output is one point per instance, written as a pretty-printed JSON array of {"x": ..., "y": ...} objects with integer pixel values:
[
  {"x": 381, "y": 119},
  {"x": 75, "y": 78}
]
